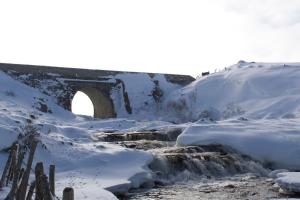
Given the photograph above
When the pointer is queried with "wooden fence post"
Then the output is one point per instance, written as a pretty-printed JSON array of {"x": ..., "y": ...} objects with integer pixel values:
[
  {"x": 21, "y": 173},
  {"x": 39, "y": 171},
  {"x": 45, "y": 188},
  {"x": 23, "y": 186},
  {"x": 30, "y": 191},
  {"x": 68, "y": 193},
  {"x": 52, "y": 179},
  {"x": 14, "y": 187},
  {"x": 13, "y": 164},
  {"x": 42, "y": 185},
  {"x": 6, "y": 168}
]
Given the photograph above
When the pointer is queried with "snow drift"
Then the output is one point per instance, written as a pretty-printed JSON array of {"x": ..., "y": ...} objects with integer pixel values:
[
  {"x": 253, "y": 90},
  {"x": 252, "y": 107},
  {"x": 276, "y": 143}
]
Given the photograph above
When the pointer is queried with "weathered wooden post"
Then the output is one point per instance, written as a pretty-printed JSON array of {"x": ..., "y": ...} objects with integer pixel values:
[
  {"x": 68, "y": 193},
  {"x": 39, "y": 171},
  {"x": 6, "y": 168},
  {"x": 42, "y": 185},
  {"x": 13, "y": 164},
  {"x": 14, "y": 188},
  {"x": 52, "y": 179},
  {"x": 23, "y": 186},
  {"x": 45, "y": 188},
  {"x": 30, "y": 191},
  {"x": 21, "y": 173}
]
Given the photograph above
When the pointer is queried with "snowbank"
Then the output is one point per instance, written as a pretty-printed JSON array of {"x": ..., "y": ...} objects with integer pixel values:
[
  {"x": 253, "y": 90},
  {"x": 252, "y": 107},
  {"x": 289, "y": 181},
  {"x": 274, "y": 142}
]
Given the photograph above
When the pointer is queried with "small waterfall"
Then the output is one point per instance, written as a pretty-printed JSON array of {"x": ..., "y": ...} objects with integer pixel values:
[
  {"x": 173, "y": 164},
  {"x": 193, "y": 162}
]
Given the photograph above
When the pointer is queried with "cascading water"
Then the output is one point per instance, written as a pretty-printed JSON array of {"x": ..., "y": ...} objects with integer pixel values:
[
  {"x": 191, "y": 164},
  {"x": 194, "y": 162}
]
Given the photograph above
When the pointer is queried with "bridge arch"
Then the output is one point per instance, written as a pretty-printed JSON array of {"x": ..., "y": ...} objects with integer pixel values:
[{"x": 103, "y": 107}]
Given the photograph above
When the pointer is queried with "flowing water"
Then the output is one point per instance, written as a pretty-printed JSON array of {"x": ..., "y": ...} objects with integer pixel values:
[
  {"x": 246, "y": 186},
  {"x": 195, "y": 172}
]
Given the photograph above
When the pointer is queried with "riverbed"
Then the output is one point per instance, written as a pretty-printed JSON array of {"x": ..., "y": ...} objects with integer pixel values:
[{"x": 245, "y": 186}]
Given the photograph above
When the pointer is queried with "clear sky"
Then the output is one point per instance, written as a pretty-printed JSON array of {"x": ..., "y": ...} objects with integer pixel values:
[{"x": 168, "y": 36}]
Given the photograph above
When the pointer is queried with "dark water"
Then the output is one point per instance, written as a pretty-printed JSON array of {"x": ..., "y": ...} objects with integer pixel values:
[{"x": 238, "y": 187}]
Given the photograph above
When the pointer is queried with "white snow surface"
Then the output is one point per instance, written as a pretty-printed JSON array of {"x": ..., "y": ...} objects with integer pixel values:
[
  {"x": 289, "y": 181},
  {"x": 253, "y": 90},
  {"x": 88, "y": 166},
  {"x": 274, "y": 142},
  {"x": 274, "y": 174},
  {"x": 252, "y": 107},
  {"x": 139, "y": 88}
]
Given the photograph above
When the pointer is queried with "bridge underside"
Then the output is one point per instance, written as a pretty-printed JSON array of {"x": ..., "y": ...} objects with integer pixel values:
[{"x": 103, "y": 107}]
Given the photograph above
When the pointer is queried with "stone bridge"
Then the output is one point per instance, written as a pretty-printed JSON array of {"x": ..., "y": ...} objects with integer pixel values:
[{"x": 63, "y": 83}]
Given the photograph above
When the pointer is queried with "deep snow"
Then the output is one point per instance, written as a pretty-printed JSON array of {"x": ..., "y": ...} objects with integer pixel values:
[
  {"x": 253, "y": 90},
  {"x": 274, "y": 142},
  {"x": 252, "y": 107},
  {"x": 289, "y": 181},
  {"x": 87, "y": 166}
]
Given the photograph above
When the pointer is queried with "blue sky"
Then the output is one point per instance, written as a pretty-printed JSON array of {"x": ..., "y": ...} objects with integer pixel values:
[{"x": 167, "y": 36}]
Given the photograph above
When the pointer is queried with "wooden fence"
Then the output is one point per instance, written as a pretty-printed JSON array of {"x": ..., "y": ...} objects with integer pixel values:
[{"x": 43, "y": 187}]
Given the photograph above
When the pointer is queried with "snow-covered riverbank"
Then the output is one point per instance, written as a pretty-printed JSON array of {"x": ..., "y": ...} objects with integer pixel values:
[{"x": 251, "y": 107}]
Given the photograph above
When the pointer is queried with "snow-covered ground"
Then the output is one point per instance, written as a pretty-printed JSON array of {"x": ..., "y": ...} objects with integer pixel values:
[
  {"x": 253, "y": 90},
  {"x": 87, "y": 166},
  {"x": 252, "y": 107},
  {"x": 289, "y": 181},
  {"x": 274, "y": 142}
]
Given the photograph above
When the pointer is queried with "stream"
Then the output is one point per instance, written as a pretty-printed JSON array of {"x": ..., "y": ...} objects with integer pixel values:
[{"x": 194, "y": 172}]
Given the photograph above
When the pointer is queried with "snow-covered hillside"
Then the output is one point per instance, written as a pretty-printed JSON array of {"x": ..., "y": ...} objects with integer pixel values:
[
  {"x": 253, "y": 90},
  {"x": 87, "y": 166},
  {"x": 252, "y": 107}
]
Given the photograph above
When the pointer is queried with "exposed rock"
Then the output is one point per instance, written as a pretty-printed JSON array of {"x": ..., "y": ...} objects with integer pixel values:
[
  {"x": 133, "y": 136},
  {"x": 145, "y": 144}
]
